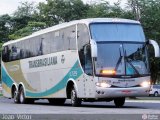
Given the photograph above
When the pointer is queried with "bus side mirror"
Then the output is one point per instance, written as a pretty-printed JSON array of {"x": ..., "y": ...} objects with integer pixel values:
[
  {"x": 93, "y": 48},
  {"x": 156, "y": 47}
]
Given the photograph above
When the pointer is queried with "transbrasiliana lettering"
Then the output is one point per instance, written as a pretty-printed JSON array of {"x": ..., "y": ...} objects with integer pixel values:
[{"x": 43, "y": 62}]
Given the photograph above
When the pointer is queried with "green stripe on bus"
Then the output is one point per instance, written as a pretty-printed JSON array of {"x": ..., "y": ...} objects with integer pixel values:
[
  {"x": 6, "y": 78},
  {"x": 61, "y": 84}
]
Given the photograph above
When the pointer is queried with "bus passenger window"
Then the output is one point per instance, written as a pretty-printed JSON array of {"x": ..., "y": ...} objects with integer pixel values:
[
  {"x": 14, "y": 52},
  {"x": 72, "y": 39},
  {"x": 69, "y": 38},
  {"x": 5, "y": 54},
  {"x": 40, "y": 52}
]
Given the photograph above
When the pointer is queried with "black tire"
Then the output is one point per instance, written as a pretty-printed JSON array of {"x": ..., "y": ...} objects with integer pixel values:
[
  {"x": 22, "y": 98},
  {"x": 74, "y": 100},
  {"x": 156, "y": 94},
  {"x": 30, "y": 100},
  {"x": 57, "y": 101},
  {"x": 15, "y": 96},
  {"x": 119, "y": 102}
]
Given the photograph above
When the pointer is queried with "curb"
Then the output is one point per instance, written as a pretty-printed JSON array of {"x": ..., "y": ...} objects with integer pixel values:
[{"x": 144, "y": 101}]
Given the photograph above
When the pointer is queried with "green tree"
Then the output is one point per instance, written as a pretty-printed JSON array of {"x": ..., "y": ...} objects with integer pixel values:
[
  {"x": 100, "y": 9},
  {"x": 104, "y": 9},
  {"x": 148, "y": 12},
  {"x": 25, "y": 9},
  {"x": 4, "y": 27},
  {"x": 24, "y": 21},
  {"x": 58, "y": 11},
  {"x": 29, "y": 29}
]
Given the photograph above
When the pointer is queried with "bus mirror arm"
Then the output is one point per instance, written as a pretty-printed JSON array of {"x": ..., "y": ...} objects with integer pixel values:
[
  {"x": 156, "y": 47},
  {"x": 93, "y": 48}
]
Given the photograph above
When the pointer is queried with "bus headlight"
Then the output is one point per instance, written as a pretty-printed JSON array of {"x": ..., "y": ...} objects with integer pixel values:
[
  {"x": 145, "y": 84},
  {"x": 103, "y": 84}
]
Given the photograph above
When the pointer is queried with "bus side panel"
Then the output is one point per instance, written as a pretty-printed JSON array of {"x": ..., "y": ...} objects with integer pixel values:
[
  {"x": 50, "y": 79},
  {"x": 45, "y": 81},
  {"x": 6, "y": 82},
  {"x": 90, "y": 86}
]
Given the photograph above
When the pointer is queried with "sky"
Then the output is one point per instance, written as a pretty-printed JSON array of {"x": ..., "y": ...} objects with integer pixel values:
[{"x": 9, "y": 6}]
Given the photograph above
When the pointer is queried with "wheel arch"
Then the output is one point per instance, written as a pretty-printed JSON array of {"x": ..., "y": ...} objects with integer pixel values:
[{"x": 70, "y": 83}]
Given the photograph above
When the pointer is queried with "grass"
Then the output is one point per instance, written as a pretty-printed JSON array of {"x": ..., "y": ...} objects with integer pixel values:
[{"x": 0, "y": 94}]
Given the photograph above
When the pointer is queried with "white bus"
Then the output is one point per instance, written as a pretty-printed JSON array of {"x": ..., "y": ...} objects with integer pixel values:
[{"x": 99, "y": 59}]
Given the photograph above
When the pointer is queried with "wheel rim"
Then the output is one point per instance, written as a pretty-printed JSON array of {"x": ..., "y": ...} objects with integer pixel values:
[
  {"x": 156, "y": 94},
  {"x": 21, "y": 97},
  {"x": 73, "y": 94},
  {"x": 15, "y": 96}
]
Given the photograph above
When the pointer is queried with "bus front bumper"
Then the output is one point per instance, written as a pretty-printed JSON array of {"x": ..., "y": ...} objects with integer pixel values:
[{"x": 122, "y": 92}]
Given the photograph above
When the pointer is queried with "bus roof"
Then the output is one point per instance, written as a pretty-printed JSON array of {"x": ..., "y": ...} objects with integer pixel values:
[{"x": 67, "y": 24}]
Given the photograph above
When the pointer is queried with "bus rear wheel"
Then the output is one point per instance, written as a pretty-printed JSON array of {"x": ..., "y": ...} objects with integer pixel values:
[
  {"x": 57, "y": 101},
  {"x": 22, "y": 98},
  {"x": 75, "y": 101},
  {"x": 119, "y": 102}
]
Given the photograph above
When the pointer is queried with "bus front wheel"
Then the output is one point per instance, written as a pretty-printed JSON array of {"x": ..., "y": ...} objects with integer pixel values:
[
  {"x": 119, "y": 102},
  {"x": 75, "y": 101},
  {"x": 156, "y": 94}
]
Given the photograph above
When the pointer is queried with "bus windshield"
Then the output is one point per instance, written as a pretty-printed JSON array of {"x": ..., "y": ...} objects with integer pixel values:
[
  {"x": 117, "y": 32},
  {"x": 121, "y": 59},
  {"x": 121, "y": 49}
]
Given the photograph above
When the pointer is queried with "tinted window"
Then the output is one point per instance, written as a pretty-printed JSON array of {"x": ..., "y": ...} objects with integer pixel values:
[
  {"x": 69, "y": 38},
  {"x": 122, "y": 59},
  {"x": 83, "y": 41},
  {"x": 117, "y": 32},
  {"x": 5, "y": 53},
  {"x": 64, "y": 39}
]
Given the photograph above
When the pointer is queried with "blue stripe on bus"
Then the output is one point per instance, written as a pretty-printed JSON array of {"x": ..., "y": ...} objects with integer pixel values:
[
  {"x": 6, "y": 78},
  {"x": 61, "y": 84}
]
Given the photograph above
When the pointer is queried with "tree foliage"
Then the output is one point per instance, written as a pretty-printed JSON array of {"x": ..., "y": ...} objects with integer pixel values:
[
  {"x": 26, "y": 9},
  {"x": 4, "y": 27},
  {"x": 58, "y": 11},
  {"x": 148, "y": 12},
  {"x": 29, "y": 29}
]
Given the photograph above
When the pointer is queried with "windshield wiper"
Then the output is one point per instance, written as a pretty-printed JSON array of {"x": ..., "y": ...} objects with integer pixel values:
[
  {"x": 126, "y": 58},
  {"x": 119, "y": 60},
  {"x": 126, "y": 61}
]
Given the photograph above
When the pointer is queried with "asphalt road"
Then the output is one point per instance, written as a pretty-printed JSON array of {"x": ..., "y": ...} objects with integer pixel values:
[{"x": 131, "y": 107}]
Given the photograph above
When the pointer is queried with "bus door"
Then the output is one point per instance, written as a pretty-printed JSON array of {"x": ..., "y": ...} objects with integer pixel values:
[{"x": 88, "y": 69}]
